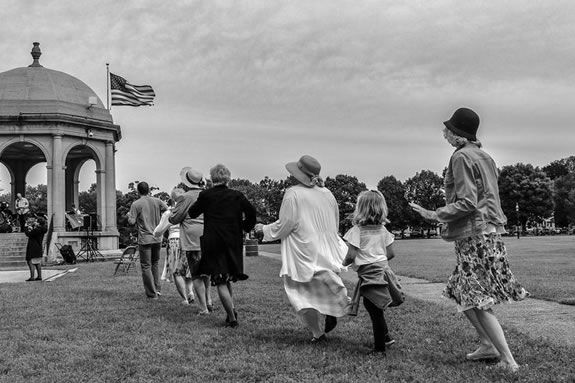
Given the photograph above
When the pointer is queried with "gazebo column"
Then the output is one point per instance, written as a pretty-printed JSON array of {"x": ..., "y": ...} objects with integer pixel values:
[
  {"x": 101, "y": 195},
  {"x": 110, "y": 205},
  {"x": 75, "y": 192},
  {"x": 58, "y": 184},
  {"x": 50, "y": 192}
]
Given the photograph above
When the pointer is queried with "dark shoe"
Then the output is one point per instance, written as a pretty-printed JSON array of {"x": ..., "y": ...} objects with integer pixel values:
[
  {"x": 232, "y": 324},
  {"x": 38, "y": 279},
  {"x": 228, "y": 318},
  {"x": 210, "y": 308},
  {"x": 330, "y": 323},
  {"x": 388, "y": 340},
  {"x": 30, "y": 279}
]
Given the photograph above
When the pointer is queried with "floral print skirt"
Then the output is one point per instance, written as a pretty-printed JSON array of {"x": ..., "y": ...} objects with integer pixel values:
[
  {"x": 482, "y": 277},
  {"x": 176, "y": 261}
]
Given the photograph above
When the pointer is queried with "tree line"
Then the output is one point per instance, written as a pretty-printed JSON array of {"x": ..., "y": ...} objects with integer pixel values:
[{"x": 528, "y": 196}]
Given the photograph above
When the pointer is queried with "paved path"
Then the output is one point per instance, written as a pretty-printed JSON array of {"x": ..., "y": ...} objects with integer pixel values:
[{"x": 535, "y": 318}]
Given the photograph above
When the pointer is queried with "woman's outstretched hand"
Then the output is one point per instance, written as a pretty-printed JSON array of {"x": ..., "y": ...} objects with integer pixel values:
[{"x": 427, "y": 214}]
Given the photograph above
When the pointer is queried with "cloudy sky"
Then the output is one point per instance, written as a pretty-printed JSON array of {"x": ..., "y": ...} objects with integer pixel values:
[{"x": 361, "y": 85}]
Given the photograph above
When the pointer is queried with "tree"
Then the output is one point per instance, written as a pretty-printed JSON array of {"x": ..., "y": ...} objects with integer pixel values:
[
  {"x": 564, "y": 198},
  {"x": 163, "y": 196},
  {"x": 123, "y": 204},
  {"x": 273, "y": 191},
  {"x": 560, "y": 168},
  {"x": 425, "y": 189},
  {"x": 562, "y": 173},
  {"x": 399, "y": 211},
  {"x": 253, "y": 193},
  {"x": 345, "y": 189},
  {"x": 87, "y": 200},
  {"x": 530, "y": 188},
  {"x": 38, "y": 198}
]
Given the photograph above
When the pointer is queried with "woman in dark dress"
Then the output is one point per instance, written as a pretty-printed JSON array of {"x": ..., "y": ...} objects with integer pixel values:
[
  {"x": 227, "y": 215},
  {"x": 35, "y": 231}
]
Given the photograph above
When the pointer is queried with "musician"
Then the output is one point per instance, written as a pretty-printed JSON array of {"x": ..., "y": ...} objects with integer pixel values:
[
  {"x": 22, "y": 209},
  {"x": 5, "y": 218}
]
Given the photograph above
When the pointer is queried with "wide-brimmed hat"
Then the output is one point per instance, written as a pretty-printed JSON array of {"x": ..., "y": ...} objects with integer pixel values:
[
  {"x": 464, "y": 123},
  {"x": 305, "y": 169},
  {"x": 191, "y": 177}
]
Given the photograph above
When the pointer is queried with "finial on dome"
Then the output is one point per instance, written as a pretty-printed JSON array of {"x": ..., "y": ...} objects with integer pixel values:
[{"x": 36, "y": 53}]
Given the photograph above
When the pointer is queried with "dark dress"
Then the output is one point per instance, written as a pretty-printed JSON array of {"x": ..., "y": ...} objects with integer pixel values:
[
  {"x": 227, "y": 215},
  {"x": 35, "y": 237}
]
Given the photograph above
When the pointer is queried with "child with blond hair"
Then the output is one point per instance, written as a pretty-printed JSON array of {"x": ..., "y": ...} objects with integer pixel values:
[{"x": 370, "y": 249}]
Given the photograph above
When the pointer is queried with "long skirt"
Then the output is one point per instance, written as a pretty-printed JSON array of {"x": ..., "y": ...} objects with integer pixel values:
[
  {"x": 325, "y": 292},
  {"x": 176, "y": 261},
  {"x": 482, "y": 277}
]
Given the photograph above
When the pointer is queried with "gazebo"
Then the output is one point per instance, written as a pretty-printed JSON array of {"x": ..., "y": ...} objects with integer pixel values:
[{"x": 53, "y": 117}]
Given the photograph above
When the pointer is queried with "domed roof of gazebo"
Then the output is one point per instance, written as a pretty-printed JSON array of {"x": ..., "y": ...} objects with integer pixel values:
[{"x": 38, "y": 90}]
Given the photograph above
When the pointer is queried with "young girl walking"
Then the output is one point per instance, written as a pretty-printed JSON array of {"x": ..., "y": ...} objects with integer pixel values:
[{"x": 370, "y": 249}]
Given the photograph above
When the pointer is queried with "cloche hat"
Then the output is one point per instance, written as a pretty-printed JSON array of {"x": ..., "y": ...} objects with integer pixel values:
[{"x": 464, "y": 123}]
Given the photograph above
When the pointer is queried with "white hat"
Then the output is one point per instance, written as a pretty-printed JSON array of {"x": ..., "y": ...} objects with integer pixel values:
[{"x": 191, "y": 177}]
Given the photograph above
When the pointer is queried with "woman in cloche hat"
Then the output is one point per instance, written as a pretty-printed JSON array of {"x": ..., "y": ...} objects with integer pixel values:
[{"x": 474, "y": 220}]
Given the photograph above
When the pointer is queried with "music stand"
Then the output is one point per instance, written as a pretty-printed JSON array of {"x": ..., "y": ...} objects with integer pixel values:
[{"x": 88, "y": 251}]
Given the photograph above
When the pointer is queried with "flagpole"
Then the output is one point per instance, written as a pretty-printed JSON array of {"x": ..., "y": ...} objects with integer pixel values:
[{"x": 108, "y": 86}]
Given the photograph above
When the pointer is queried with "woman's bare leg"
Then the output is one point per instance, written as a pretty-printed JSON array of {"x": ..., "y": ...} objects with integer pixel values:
[{"x": 493, "y": 329}]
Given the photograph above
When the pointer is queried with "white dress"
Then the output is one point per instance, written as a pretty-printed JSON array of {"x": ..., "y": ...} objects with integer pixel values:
[{"x": 312, "y": 251}]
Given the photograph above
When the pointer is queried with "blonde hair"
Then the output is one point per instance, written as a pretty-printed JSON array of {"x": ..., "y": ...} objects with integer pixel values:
[
  {"x": 220, "y": 174},
  {"x": 370, "y": 209},
  {"x": 457, "y": 141}
]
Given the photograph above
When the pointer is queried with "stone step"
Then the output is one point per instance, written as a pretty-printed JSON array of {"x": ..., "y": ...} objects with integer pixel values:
[
  {"x": 13, "y": 247},
  {"x": 13, "y": 265}
]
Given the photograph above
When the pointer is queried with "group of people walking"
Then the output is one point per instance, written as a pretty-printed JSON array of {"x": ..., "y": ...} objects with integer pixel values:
[
  {"x": 209, "y": 250},
  {"x": 212, "y": 224}
]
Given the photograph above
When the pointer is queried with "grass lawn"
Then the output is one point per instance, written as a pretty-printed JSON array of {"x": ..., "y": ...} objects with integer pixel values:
[
  {"x": 92, "y": 327},
  {"x": 544, "y": 265}
]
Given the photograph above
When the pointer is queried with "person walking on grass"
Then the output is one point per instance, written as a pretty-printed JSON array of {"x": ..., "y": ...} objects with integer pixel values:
[
  {"x": 311, "y": 249},
  {"x": 145, "y": 213},
  {"x": 35, "y": 230},
  {"x": 176, "y": 266},
  {"x": 370, "y": 249},
  {"x": 191, "y": 231},
  {"x": 474, "y": 220},
  {"x": 227, "y": 215}
]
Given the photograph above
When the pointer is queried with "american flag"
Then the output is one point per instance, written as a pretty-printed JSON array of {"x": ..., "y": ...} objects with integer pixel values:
[{"x": 124, "y": 93}]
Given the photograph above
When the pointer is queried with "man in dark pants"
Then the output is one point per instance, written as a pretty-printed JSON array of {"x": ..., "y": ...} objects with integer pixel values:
[{"x": 145, "y": 213}]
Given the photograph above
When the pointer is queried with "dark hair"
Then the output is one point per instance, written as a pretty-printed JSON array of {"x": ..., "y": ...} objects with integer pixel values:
[{"x": 143, "y": 188}]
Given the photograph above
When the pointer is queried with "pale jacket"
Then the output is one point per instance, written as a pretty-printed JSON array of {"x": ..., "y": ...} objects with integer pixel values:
[
  {"x": 308, "y": 228},
  {"x": 173, "y": 230},
  {"x": 472, "y": 195}
]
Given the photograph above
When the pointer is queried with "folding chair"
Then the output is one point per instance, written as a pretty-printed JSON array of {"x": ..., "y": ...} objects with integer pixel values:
[{"x": 127, "y": 260}]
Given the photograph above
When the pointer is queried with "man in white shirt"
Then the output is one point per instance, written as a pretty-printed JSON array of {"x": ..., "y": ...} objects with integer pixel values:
[{"x": 22, "y": 209}]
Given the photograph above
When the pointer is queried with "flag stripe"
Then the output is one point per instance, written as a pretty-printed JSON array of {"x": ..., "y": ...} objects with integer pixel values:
[
  {"x": 129, "y": 99},
  {"x": 124, "y": 93},
  {"x": 131, "y": 96}
]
